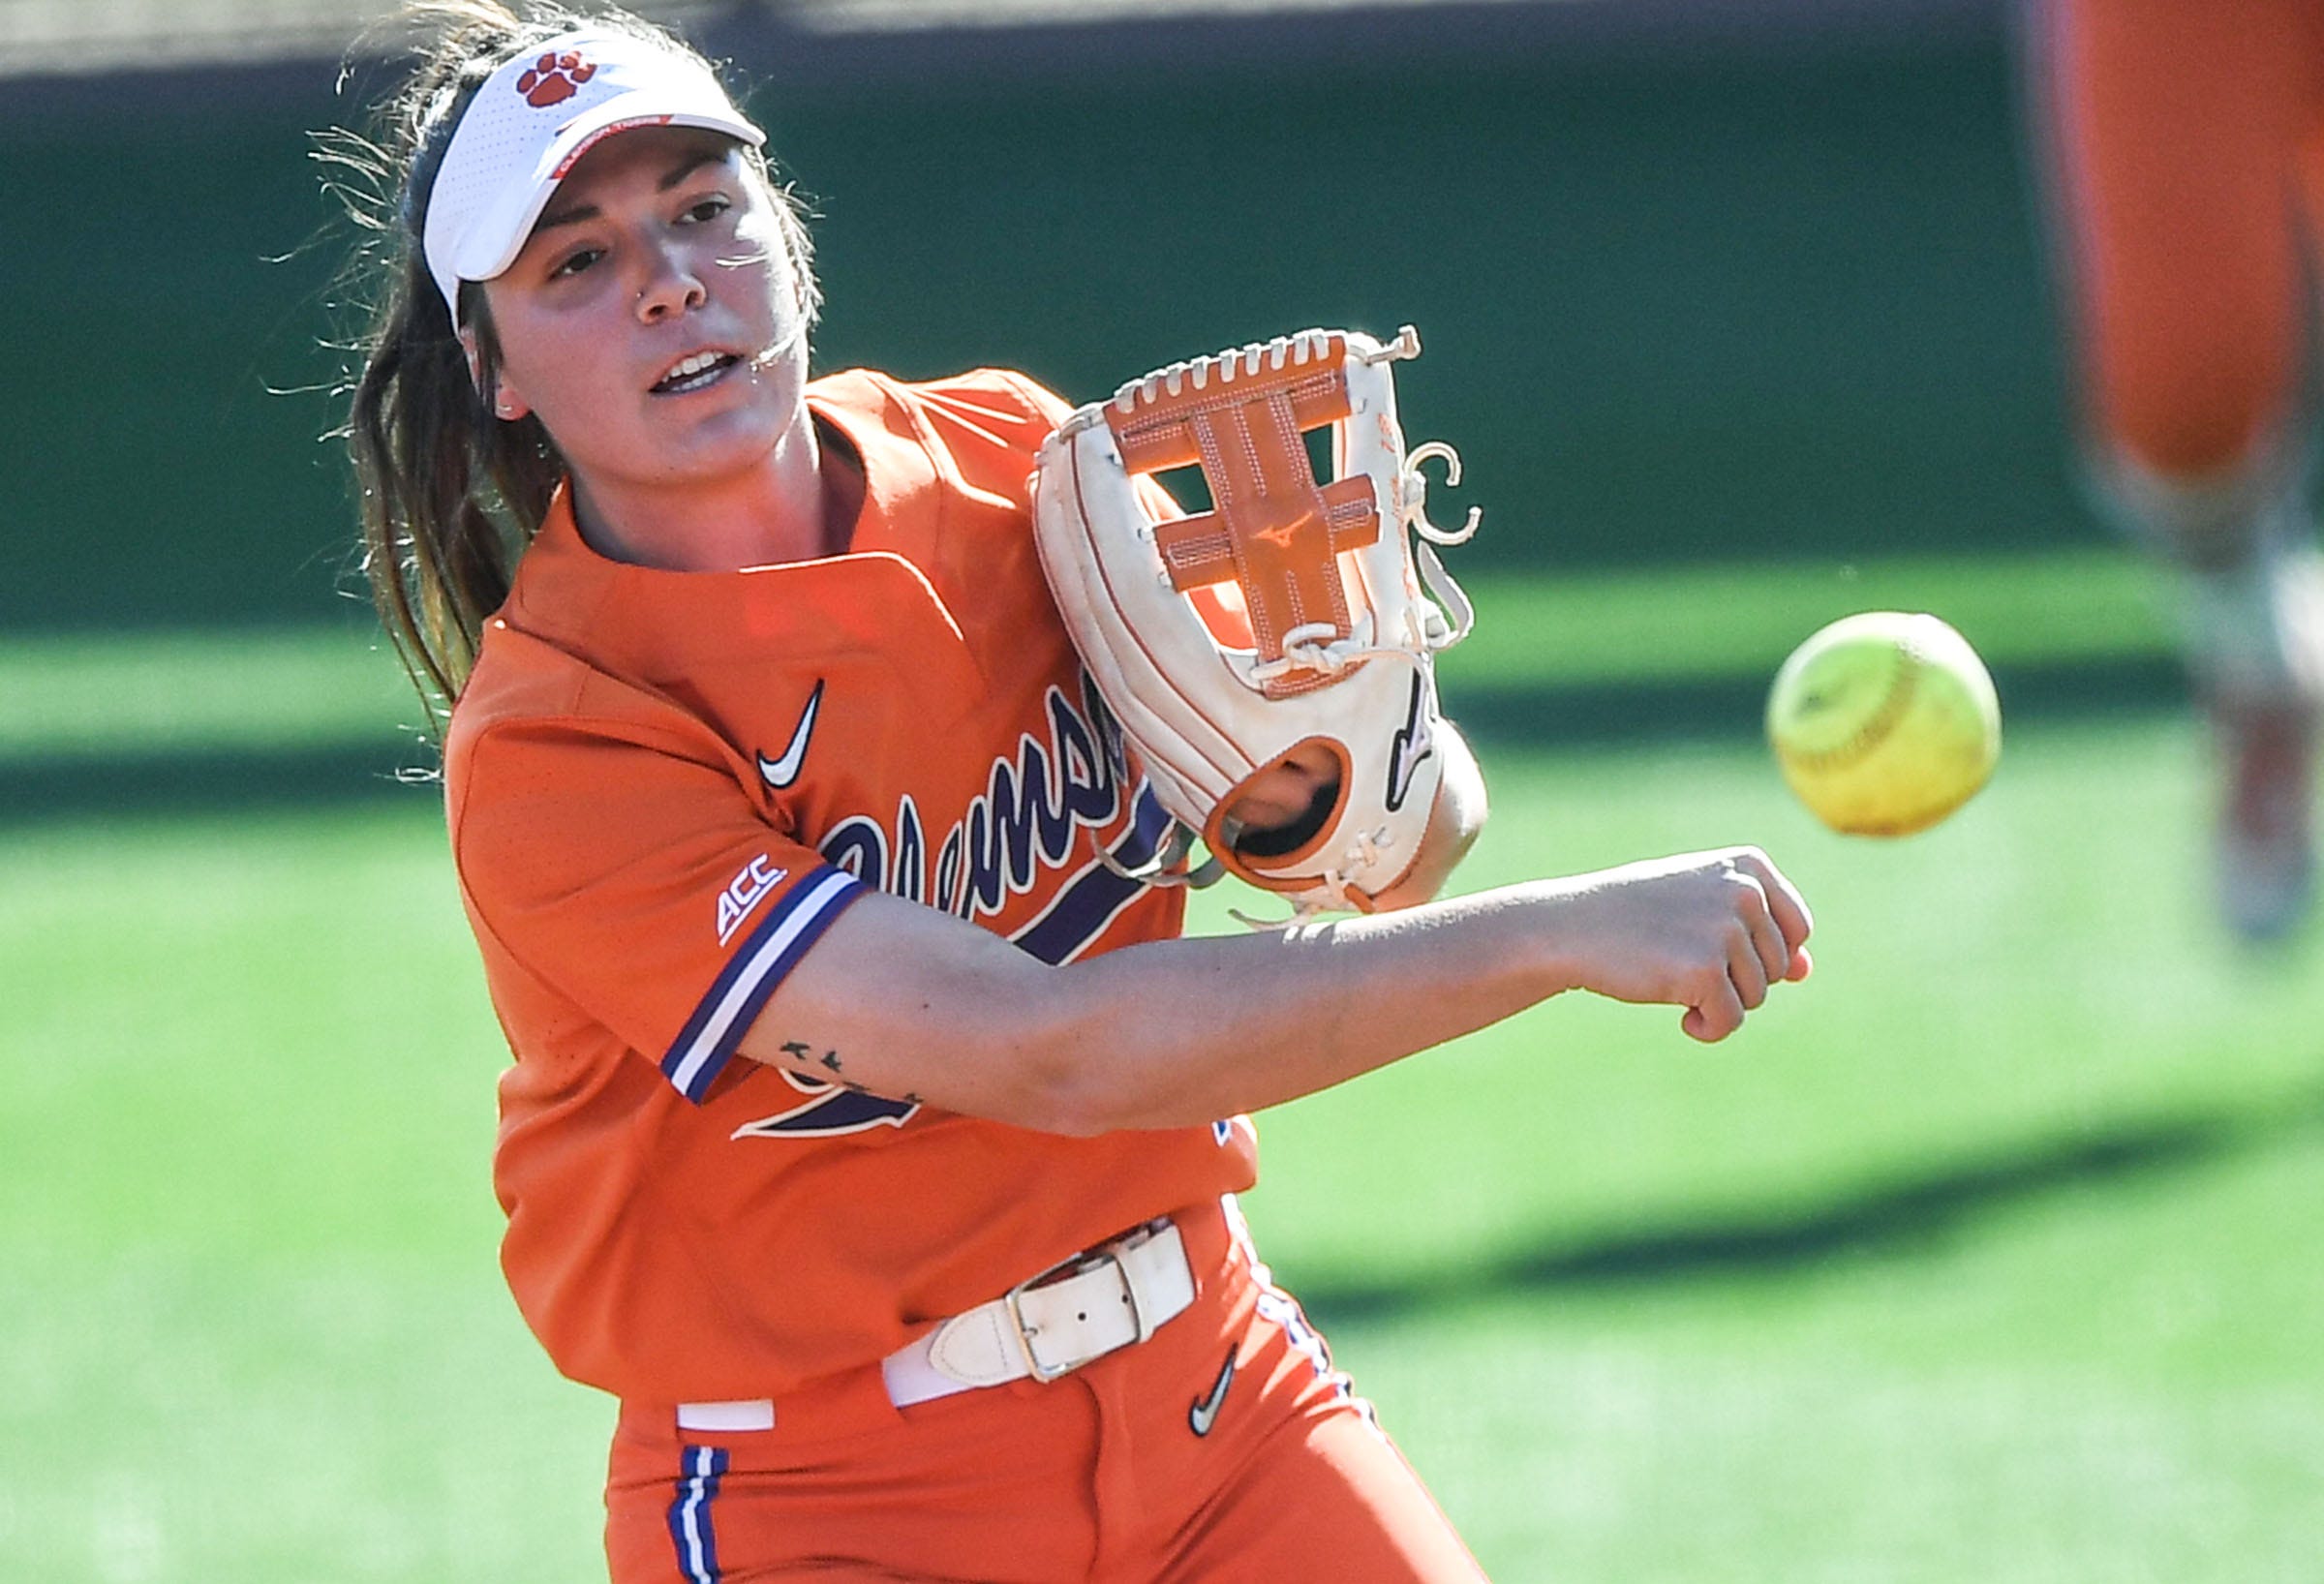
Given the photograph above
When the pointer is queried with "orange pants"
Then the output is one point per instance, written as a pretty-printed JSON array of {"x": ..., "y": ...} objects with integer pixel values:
[
  {"x": 2184, "y": 162},
  {"x": 1097, "y": 1476}
]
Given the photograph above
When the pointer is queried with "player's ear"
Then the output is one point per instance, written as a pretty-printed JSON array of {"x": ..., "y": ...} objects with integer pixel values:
[{"x": 508, "y": 404}]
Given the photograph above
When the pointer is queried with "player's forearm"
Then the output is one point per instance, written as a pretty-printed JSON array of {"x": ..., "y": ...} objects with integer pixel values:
[
  {"x": 1183, "y": 1031},
  {"x": 901, "y": 999},
  {"x": 1176, "y": 1033}
]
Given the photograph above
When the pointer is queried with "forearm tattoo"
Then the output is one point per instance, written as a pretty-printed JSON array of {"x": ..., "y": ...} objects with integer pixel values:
[{"x": 804, "y": 1054}]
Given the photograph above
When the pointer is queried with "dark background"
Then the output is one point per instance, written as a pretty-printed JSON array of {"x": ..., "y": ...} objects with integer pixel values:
[{"x": 1696, "y": 283}]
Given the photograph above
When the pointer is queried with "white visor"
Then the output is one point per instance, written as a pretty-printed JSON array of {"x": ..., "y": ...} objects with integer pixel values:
[{"x": 532, "y": 118}]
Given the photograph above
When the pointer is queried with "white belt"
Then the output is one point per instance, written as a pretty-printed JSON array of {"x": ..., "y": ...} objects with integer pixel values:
[{"x": 1117, "y": 1293}]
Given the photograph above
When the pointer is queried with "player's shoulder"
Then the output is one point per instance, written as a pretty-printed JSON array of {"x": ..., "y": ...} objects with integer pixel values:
[
  {"x": 978, "y": 410},
  {"x": 527, "y": 692},
  {"x": 1003, "y": 385}
]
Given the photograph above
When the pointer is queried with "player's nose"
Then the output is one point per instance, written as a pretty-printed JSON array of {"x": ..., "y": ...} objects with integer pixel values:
[{"x": 669, "y": 282}]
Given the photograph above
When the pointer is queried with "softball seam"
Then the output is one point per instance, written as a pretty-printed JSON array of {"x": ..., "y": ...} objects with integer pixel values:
[{"x": 1876, "y": 728}]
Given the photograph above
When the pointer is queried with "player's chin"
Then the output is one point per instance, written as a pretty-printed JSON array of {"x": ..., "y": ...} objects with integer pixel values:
[{"x": 699, "y": 441}]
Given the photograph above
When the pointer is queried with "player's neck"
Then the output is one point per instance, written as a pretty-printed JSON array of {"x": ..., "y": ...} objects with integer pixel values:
[{"x": 800, "y": 504}]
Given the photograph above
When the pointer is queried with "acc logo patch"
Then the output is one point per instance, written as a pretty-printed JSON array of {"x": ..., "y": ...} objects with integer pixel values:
[{"x": 742, "y": 894}]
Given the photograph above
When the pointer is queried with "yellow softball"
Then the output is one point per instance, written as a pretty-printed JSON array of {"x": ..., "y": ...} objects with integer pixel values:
[{"x": 1884, "y": 722}]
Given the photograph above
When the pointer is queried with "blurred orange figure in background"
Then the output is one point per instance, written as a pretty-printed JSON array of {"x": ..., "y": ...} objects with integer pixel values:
[{"x": 2182, "y": 143}]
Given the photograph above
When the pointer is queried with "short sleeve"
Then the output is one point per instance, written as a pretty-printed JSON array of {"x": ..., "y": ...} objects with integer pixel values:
[{"x": 627, "y": 873}]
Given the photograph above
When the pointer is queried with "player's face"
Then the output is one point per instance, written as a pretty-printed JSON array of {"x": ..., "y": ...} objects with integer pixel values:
[{"x": 654, "y": 321}]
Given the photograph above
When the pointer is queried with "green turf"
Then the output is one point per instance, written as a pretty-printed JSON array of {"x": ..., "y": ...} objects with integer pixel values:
[
  {"x": 256, "y": 1327},
  {"x": 1717, "y": 621},
  {"x": 2036, "y": 971},
  {"x": 1989, "y": 1253},
  {"x": 271, "y": 688},
  {"x": 252, "y": 689}
]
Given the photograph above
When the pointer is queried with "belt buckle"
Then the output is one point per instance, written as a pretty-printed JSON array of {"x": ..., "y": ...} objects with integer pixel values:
[{"x": 1108, "y": 1253}]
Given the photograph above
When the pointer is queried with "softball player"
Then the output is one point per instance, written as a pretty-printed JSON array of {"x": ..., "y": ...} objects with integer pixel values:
[
  {"x": 871, "y": 1136},
  {"x": 2183, "y": 152}
]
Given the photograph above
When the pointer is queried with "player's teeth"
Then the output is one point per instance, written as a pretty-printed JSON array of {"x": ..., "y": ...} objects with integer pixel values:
[{"x": 685, "y": 371}]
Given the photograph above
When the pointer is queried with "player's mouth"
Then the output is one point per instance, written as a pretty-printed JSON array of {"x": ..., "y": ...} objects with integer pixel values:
[{"x": 698, "y": 372}]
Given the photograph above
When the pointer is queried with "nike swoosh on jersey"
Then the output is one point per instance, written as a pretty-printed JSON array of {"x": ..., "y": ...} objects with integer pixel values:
[
  {"x": 781, "y": 773},
  {"x": 1204, "y": 1413}
]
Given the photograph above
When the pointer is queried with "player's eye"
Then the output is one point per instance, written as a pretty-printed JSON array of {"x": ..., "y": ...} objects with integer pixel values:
[
  {"x": 705, "y": 209},
  {"x": 574, "y": 262}
]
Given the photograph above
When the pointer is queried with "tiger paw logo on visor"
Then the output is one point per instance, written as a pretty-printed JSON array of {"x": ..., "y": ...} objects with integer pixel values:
[{"x": 554, "y": 78}]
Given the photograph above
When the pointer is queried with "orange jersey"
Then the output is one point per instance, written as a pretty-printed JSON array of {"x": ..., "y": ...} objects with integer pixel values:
[{"x": 662, "y": 786}]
